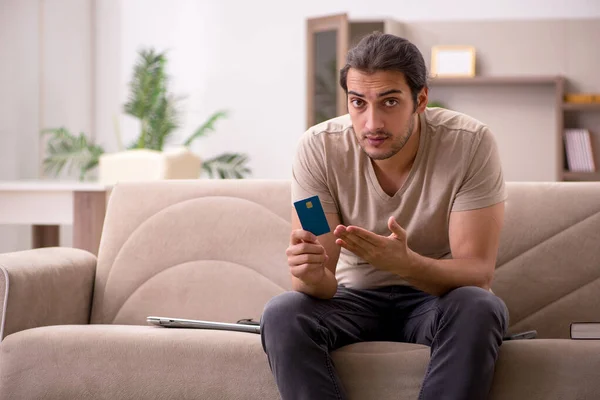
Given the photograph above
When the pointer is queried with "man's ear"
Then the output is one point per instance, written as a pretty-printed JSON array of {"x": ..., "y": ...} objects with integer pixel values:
[{"x": 422, "y": 100}]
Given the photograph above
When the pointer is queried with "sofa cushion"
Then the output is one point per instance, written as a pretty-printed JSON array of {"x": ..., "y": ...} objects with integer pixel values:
[
  {"x": 382, "y": 370},
  {"x": 133, "y": 362},
  {"x": 547, "y": 369},
  {"x": 540, "y": 369},
  {"x": 115, "y": 361}
]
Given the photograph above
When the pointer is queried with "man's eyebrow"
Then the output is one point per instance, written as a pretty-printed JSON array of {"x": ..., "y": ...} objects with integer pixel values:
[{"x": 387, "y": 92}]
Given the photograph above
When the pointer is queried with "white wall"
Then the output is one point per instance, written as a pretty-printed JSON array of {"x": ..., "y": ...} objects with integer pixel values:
[
  {"x": 247, "y": 57},
  {"x": 46, "y": 81},
  {"x": 19, "y": 111},
  {"x": 108, "y": 87},
  {"x": 431, "y": 10}
]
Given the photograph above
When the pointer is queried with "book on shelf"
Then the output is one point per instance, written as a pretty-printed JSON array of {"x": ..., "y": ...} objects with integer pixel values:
[
  {"x": 578, "y": 150},
  {"x": 585, "y": 330}
]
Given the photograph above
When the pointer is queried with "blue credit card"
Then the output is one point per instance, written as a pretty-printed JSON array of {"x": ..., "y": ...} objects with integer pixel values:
[{"x": 311, "y": 215}]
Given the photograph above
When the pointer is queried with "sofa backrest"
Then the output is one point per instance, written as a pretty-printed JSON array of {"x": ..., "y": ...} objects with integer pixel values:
[
  {"x": 548, "y": 266},
  {"x": 215, "y": 250},
  {"x": 200, "y": 249}
]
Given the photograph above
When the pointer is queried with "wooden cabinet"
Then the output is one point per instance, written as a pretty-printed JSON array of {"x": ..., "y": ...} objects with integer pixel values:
[{"x": 328, "y": 40}]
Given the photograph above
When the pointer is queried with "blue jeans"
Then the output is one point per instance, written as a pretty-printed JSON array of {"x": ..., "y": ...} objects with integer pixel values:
[{"x": 464, "y": 329}]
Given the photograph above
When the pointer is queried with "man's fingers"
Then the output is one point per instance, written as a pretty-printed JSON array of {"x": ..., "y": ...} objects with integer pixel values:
[
  {"x": 304, "y": 248},
  {"x": 308, "y": 272},
  {"x": 364, "y": 234},
  {"x": 298, "y": 236},
  {"x": 357, "y": 234},
  {"x": 355, "y": 242},
  {"x": 341, "y": 243},
  {"x": 317, "y": 259},
  {"x": 396, "y": 229}
]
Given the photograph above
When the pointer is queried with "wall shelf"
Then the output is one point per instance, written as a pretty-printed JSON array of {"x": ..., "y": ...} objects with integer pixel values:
[
  {"x": 581, "y": 176},
  {"x": 497, "y": 80},
  {"x": 581, "y": 106}
]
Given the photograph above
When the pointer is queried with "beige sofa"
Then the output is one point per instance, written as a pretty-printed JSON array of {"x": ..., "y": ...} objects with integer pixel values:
[{"x": 73, "y": 326}]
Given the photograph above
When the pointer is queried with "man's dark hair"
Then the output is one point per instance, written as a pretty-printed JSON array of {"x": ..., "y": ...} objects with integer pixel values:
[{"x": 384, "y": 52}]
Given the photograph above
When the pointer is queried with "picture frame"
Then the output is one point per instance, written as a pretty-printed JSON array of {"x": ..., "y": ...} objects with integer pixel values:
[{"x": 453, "y": 61}]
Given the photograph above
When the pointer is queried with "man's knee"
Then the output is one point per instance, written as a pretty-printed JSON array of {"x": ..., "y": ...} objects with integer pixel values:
[
  {"x": 282, "y": 318},
  {"x": 283, "y": 306},
  {"x": 475, "y": 303}
]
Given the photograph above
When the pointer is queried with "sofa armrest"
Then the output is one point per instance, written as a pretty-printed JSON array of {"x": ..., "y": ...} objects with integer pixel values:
[{"x": 46, "y": 286}]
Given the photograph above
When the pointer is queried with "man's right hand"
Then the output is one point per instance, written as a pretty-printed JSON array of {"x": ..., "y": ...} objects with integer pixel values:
[{"x": 306, "y": 257}]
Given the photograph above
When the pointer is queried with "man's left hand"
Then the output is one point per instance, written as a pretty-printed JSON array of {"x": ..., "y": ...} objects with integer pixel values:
[{"x": 390, "y": 253}]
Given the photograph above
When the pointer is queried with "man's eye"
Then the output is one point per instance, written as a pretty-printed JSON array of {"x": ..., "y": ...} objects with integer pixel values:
[
  {"x": 391, "y": 102},
  {"x": 357, "y": 103}
]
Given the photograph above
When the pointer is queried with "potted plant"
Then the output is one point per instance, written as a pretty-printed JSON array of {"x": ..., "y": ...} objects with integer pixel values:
[{"x": 156, "y": 109}]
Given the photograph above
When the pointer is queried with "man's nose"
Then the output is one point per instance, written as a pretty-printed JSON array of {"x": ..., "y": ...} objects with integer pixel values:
[{"x": 374, "y": 121}]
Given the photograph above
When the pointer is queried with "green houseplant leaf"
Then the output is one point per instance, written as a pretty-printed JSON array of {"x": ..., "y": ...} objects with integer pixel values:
[
  {"x": 227, "y": 166},
  {"x": 205, "y": 128},
  {"x": 67, "y": 150},
  {"x": 150, "y": 102},
  {"x": 162, "y": 122}
]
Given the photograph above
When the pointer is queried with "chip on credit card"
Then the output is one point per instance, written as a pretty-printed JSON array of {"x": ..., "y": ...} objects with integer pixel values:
[{"x": 311, "y": 215}]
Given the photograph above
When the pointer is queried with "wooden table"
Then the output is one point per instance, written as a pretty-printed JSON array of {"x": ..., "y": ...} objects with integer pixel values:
[{"x": 45, "y": 205}]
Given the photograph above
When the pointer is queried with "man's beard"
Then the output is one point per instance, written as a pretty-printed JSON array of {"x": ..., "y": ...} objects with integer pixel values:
[{"x": 396, "y": 146}]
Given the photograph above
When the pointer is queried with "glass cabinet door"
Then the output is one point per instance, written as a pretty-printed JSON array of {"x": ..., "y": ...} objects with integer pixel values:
[{"x": 327, "y": 44}]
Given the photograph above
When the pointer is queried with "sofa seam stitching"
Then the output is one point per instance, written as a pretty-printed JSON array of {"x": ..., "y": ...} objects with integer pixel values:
[
  {"x": 556, "y": 300},
  {"x": 547, "y": 239},
  {"x": 180, "y": 265}
]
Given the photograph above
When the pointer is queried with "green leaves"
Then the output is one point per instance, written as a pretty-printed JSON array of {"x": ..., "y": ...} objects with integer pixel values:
[
  {"x": 150, "y": 101},
  {"x": 67, "y": 150},
  {"x": 205, "y": 128},
  {"x": 161, "y": 123},
  {"x": 147, "y": 84},
  {"x": 227, "y": 166}
]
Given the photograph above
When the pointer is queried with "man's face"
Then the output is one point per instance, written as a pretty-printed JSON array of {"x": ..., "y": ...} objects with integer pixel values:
[{"x": 382, "y": 111}]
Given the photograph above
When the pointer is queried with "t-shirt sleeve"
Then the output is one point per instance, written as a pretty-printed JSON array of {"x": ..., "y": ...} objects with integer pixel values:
[
  {"x": 483, "y": 184},
  {"x": 309, "y": 172}
]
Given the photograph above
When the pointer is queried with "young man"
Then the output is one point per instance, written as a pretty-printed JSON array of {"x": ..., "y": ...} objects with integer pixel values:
[{"x": 415, "y": 198}]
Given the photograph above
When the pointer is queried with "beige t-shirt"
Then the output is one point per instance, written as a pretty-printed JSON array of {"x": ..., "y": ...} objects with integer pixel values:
[{"x": 456, "y": 168}]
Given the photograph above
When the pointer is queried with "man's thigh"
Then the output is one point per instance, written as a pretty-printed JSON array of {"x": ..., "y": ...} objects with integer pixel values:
[
  {"x": 350, "y": 316},
  {"x": 464, "y": 307}
]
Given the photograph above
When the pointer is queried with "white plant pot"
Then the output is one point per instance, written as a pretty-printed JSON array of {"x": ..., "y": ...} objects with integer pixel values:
[{"x": 148, "y": 165}]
